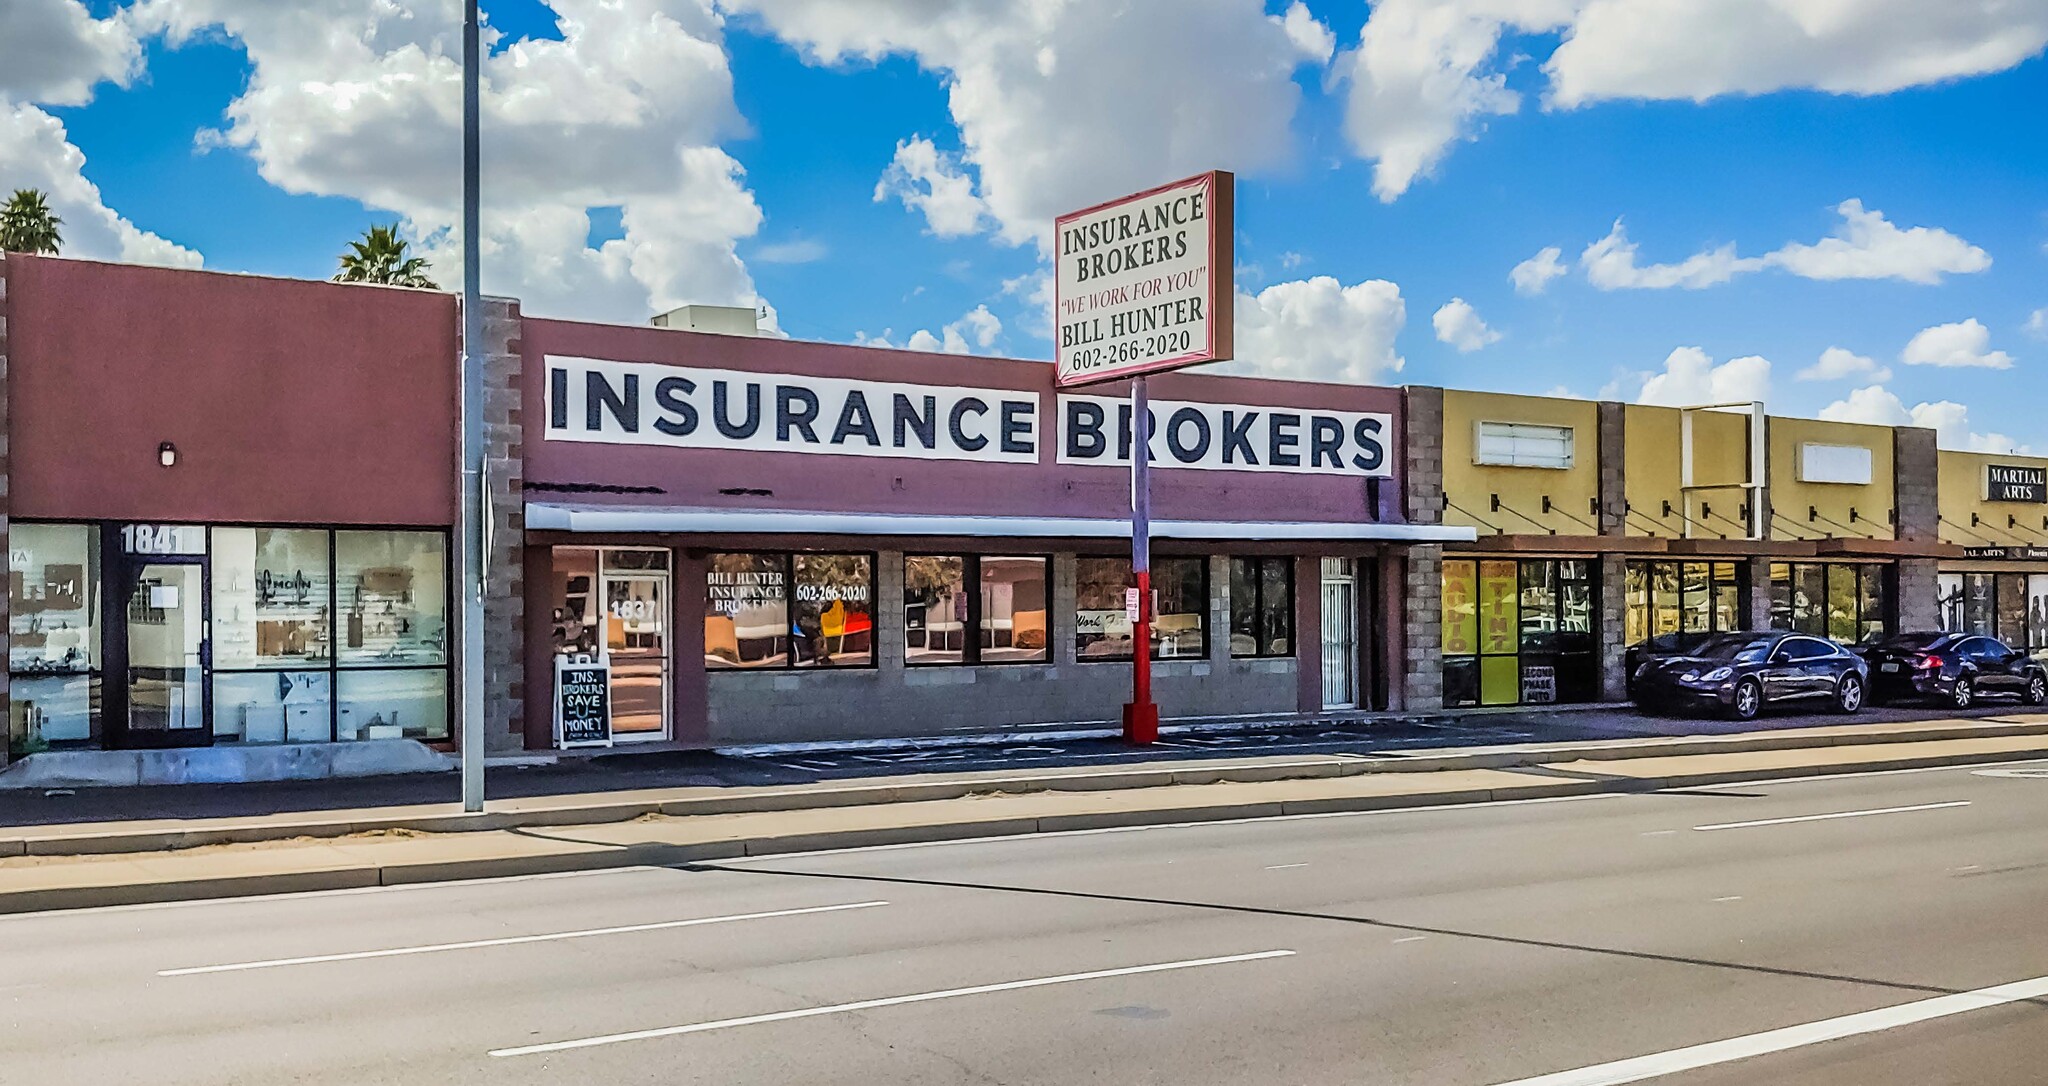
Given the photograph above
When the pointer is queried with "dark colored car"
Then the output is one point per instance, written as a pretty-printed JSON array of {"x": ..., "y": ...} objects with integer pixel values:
[
  {"x": 1953, "y": 668},
  {"x": 1661, "y": 647},
  {"x": 1737, "y": 674}
]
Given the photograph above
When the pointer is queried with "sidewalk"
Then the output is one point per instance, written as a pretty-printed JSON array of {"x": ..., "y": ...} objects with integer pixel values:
[{"x": 126, "y": 863}]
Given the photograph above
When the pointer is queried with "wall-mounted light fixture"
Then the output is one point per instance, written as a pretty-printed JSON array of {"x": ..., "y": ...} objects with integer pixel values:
[{"x": 167, "y": 454}]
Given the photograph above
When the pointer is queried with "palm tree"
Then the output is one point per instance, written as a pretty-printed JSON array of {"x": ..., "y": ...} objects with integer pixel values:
[
  {"x": 380, "y": 258},
  {"x": 26, "y": 225}
]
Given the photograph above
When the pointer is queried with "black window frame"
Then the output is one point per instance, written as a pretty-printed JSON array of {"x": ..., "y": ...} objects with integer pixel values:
[
  {"x": 789, "y": 602},
  {"x": 1201, "y": 561},
  {"x": 970, "y": 585},
  {"x": 1257, "y": 579},
  {"x": 1648, "y": 568},
  {"x": 1887, "y": 581}
]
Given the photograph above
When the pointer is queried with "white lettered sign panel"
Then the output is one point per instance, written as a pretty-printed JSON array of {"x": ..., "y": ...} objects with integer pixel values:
[
  {"x": 1143, "y": 284},
  {"x": 1230, "y": 437},
  {"x": 642, "y": 403}
]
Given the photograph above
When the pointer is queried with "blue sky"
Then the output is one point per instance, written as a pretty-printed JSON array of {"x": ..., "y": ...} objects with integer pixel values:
[{"x": 878, "y": 170}]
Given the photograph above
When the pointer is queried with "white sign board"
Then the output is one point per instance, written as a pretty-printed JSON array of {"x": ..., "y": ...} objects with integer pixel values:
[
  {"x": 1229, "y": 437},
  {"x": 1143, "y": 284},
  {"x": 645, "y": 403},
  {"x": 1849, "y": 464}
]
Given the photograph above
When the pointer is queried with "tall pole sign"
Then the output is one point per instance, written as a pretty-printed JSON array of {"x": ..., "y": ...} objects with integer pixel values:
[
  {"x": 470, "y": 557},
  {"x": 1143, "y": 285}
]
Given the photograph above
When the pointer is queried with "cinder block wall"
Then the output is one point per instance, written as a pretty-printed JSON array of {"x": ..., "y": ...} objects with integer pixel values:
[
  {"x": 1916, "y": 486},
  {"x": 1612, "y": 621},
  {"x": 505, "y": 584},
  {"x": 1420, "y": 688},
  {"x": 893, "y": 700}
]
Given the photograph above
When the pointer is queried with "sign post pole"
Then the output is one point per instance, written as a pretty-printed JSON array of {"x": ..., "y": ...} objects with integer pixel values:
[{"x": 1141, "y": 717}]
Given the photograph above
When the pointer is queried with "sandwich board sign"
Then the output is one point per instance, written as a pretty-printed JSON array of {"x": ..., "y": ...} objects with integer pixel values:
[
  {"x": 583, "y": 701},
  {"x": 1143, "y": 283}
]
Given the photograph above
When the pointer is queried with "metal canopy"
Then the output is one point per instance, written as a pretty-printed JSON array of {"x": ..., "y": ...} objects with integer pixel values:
[{"x": 563, "y": 517}]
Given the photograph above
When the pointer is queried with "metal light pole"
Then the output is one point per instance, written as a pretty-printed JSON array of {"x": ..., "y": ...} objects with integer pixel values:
[
  {"x": 1141, "y": 716},
  {"x": 471, "y": 562}
]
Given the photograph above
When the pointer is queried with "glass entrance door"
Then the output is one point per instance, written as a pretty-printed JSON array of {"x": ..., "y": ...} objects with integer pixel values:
[
  {"x": 636, "y": 618},
  {"x": 1340, "y": 634},
  {"x": 167, "y": 656}
]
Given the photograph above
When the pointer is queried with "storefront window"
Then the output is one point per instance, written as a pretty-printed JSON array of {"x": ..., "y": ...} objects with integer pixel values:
[
  {"x": 273, "y": 706},
  {"x": 789, "y": 610},
  {"x": 1636, "y": 602},
  {"x": 270, "y": 597},
  {"x": 746, "y": 605},
  {"x": 935, "y": 615},
  {"x": 53, "y": 657},
  {"x": 1845, "y": 602},
  {"x": 833, "y": 610},
  {"x": 1262, "y": 606},
  {"x": 572, "y": 614},
  {"x": 1013, "y": 609},
  {"x": 2010, "y": 605},
  {"x": 1948, "y": 599},
  {"x": 1522, "y": 632},
  {"x": 411, "y": 703},
  {"x": 1179, "y": 628},
  {"x": 1727, "y": 596},
  {"x": 393, "y": 596},
  {"x": 2037, "y": 613}
]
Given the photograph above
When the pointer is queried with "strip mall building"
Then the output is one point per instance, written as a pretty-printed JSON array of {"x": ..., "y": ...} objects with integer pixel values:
[{"x": 229, "y": 502}]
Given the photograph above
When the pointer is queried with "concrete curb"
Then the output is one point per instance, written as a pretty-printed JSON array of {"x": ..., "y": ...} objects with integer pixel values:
[
  {"x": 57, "y": 841},
  {"x": 672, "y": 854}
]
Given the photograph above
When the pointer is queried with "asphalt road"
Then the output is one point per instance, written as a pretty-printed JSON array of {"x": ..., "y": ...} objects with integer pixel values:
[
  {"x": 765, "y": 767},
  {"x": 1476, "y": 946}
]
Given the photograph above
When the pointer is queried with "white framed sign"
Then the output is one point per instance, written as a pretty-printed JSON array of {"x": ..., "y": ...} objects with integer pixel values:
[
  {"x": 1143, "y": 284},
  {"x": 1847, "y": 464}
]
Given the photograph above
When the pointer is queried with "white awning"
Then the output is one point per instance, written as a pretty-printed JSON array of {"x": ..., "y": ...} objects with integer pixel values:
[{"x": 562, "y": 517}]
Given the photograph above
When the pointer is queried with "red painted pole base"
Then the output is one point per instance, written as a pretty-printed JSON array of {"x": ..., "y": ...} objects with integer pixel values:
[{"x": 1141, "y": 723}]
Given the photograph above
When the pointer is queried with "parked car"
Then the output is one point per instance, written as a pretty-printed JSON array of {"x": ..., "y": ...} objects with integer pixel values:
[
  {"x": 1953, "y": 668},
  {"x": 1664, "y": 646},
  {"x": 1738, "y": 674}
]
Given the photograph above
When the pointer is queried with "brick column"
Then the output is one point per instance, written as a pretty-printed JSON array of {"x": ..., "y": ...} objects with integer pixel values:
[
  {"x": 1419, "y": 684},
  {"x": 888, "y": 612},
  {"x": 1611, "y": 617},
  {"x": 6, "y": 513},
  {"x": 1916, "y": 502},
  {"x": 1063, "y": 619},
  {"x": 505, "y": 565},
  {"x": 1219, "y": 613}
]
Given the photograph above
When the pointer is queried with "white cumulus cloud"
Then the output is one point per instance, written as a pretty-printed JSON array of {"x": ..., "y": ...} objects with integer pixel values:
[
  {"x": 54, "y": 52},
  {"x": 1318, "y": 329},
  {"x": 362, "y": 99},
  {"x": 2037, "y": 323},
  {"x": 1865, "y": 245},
  {"x": 1838, "y": 363},
  {"x": 1531, "y": 276},
  {"x": 976, "y": 330},
  {"x": 1959, "y": 344},
  {"x": 1459, "y": 325},
  {"x": 1429, "y": 73},
  {"x": 1061, "y": 104},
  {"x": 930, "y": 181},
  {"x": 1949, "y": 420},
  {"x": 1690, "y": 377}
]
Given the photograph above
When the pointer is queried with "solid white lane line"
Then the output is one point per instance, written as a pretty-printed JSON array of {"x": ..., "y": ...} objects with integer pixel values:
[
  {"x": 512, "y": 940},
  {"x": 1283, "y": 867},
  {"x": 1827, "y": 817},
  {"x": 1411, "y": 939},
  {"x": 1737, "y": 897},
  {"x": 891, "y": 1001},
  {"x": 1659, "y": 1064}
]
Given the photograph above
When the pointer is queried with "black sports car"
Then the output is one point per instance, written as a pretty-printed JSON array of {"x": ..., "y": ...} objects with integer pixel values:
[
  {"x": 1661, "y": 647},
  {"x": 1953, "y": 668},
  {"x": 1737, "y": 674}
]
